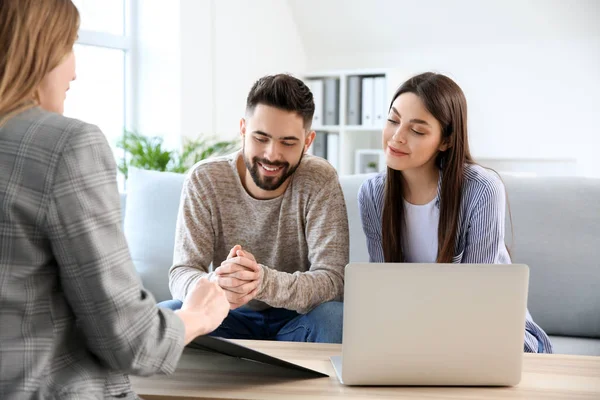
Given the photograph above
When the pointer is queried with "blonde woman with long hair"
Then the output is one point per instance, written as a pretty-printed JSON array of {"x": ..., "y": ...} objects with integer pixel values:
[{"x": 74, "y": 317}]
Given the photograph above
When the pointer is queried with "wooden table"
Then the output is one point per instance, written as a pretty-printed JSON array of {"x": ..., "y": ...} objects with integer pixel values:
[{"x": 202, "y": 375}]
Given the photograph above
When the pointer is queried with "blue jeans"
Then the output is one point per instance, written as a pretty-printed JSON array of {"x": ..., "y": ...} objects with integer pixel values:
[{"x": 323, "y": 324}]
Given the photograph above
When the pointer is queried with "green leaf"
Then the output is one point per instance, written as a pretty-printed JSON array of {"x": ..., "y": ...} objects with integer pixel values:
[{"x": 148, "y": 153}]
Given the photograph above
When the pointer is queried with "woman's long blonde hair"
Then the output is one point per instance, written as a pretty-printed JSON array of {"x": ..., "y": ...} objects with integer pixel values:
[{"x": 35, "y": 36}]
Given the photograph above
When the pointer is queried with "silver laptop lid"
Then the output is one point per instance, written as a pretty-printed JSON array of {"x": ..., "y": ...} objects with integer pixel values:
[{"x": 434, "y": 324}]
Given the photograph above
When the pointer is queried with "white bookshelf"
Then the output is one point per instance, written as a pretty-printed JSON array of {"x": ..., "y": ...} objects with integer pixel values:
[{"x": 353, "y": 140}]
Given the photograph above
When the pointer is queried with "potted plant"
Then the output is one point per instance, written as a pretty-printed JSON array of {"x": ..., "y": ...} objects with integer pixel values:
[
  {"x": 371, "y": 167},
  {"x": 149, "y": 153}
]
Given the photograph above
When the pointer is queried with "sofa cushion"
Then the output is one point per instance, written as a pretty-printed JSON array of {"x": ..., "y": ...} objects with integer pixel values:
[
  {"x": 575, "y": 345},
  {"x": 358, "y": 242},
  {"x": 150, "y": 218},
  {"x": 556, "y": 225}
]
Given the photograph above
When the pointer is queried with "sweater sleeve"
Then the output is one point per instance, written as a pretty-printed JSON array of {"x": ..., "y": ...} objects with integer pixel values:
[{"x": 194, "y": 238}]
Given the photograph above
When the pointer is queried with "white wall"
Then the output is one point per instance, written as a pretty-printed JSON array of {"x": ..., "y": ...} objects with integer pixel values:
[
  {"x": 157, "y": 82},
  {"x": 197, "y": 66},
  {"x": 530, "y": 69},
  {"x": 197, "y": 60},
  {"x": 226, "y": 45}
]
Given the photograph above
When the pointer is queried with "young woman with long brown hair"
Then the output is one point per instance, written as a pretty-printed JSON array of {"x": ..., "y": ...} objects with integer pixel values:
[
  {"x": 74, "y": 317},
  {"x": 434, "y": 203}
]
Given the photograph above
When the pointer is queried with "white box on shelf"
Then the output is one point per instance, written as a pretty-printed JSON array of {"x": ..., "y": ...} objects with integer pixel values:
[{"x": 369, "y": 160}]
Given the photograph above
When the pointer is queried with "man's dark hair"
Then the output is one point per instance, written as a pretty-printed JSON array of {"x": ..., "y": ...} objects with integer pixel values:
[{"x": 285, "y": 92}]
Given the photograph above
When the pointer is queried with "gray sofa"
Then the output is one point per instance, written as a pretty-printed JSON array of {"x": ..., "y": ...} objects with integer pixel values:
[{"x": 556, "y": 223}]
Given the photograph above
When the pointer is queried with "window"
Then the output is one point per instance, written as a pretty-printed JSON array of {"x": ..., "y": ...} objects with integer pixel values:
[
  {"x": 106, "y": 16},
  {"x": 103, "y": 55},
  {"x": 97, "y": 95}
]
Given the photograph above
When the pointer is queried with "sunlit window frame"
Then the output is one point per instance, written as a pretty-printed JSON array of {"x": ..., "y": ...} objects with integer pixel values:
[{"x": 128, "y": 44}]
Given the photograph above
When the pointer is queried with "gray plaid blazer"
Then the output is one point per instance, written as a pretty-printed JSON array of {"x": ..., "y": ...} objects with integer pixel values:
[{"x": 74, "y": 317}]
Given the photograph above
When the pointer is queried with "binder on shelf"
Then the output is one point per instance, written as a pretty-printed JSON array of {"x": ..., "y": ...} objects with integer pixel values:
[
  {"x": 351, "y": 109},
  {"x": 379, "y": 99},
  {"x": 319, "y": 146},
  {"x": 332, "y": 90},
  {"x": 333, "y": 144},
  {"x": 316, "y": 88},
  {"x": 354, "y": 96},
  {"x": 367, "y": 107}
]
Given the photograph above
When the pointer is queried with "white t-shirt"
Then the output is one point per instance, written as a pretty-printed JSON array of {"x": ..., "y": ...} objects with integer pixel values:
[{"x": 420, "y": 238}]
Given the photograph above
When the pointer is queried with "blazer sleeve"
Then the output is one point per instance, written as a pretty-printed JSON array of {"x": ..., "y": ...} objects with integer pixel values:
[{"x": 122, "y": 325}]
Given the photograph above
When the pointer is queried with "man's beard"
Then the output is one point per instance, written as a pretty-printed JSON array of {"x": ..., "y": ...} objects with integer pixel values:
[{"x": 269, "y": 182}]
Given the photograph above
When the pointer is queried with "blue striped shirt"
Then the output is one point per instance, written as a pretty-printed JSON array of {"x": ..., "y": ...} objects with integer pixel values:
[{"x": 480, "y": 237}]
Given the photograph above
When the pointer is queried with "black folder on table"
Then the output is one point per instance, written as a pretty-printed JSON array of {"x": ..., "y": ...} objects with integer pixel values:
[{"x": 229, "y": 348}]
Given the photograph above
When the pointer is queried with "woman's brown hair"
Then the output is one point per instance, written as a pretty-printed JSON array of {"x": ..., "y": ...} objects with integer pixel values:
[{"x": 445, "y": 100}]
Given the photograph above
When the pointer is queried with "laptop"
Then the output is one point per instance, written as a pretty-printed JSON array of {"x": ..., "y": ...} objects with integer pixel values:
[{"x": 433, "y": 324}]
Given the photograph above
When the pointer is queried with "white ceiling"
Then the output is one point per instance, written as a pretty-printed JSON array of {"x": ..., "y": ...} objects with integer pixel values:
[{"x": 343, "y": 26}]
